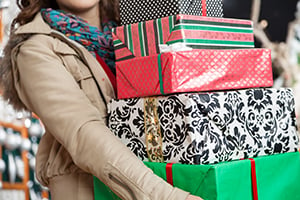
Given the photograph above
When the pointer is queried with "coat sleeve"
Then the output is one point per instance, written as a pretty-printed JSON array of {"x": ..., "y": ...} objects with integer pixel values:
[{"x": 48, "y": 89}]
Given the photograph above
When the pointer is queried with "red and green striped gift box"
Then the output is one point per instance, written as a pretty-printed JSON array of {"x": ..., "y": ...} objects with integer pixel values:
[{"x": 197, "y": 32}]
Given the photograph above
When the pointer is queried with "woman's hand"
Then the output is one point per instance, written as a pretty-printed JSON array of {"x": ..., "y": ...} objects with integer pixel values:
[{"x": 191, "y": 197}]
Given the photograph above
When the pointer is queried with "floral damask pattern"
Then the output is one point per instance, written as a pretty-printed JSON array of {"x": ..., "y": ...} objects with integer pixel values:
[{"x": 207, "y": 128}]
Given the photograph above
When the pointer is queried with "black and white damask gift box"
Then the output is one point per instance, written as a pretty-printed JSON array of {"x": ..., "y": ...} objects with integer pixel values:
[
  {"x": 133, "y": 11},
  {"x": 207, "y": 128}
]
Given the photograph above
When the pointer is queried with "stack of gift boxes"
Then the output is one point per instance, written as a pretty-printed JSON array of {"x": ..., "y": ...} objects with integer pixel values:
[{"x": 195, "y": 102}]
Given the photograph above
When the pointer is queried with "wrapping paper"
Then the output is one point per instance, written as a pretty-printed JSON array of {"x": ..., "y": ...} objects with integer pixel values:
[
  {"x": 133, "y": 11},
  {"x": 231, "y": 180},
  {"x": 145, "y": 38},
  {"x": 207, "y": 128},
  {"x": 192, "y": 71}
]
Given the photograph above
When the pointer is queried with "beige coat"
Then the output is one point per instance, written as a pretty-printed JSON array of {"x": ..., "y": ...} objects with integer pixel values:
[{"x": 58, "y": 79}]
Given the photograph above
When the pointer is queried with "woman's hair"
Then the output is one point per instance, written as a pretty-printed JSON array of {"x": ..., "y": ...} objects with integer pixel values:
[
  {"x": 110, "y": 10},
  {"x": 29, "y": 8}
]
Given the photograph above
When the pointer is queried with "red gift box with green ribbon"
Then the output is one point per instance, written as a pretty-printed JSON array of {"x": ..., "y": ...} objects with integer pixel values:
[
  {"x": 194, "y": 71},
  {"x": 274, "y": 177},
  {"x": 192, "y": 32}
]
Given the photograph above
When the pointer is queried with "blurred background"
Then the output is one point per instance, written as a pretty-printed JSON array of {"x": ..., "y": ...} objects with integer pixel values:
[{"x": 277, "y": 14}]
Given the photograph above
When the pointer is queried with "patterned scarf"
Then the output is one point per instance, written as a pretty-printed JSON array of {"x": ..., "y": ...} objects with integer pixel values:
[{"x": 77, "y": 29}]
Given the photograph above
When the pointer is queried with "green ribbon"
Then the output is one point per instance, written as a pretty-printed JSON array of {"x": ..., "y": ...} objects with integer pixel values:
[
  {"x": 161, "y": 83},
  {"x": 160, "y": 29}
]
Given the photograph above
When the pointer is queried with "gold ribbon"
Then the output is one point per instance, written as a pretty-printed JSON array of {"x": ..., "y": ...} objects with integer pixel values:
[{"x": 152, "y": 130}]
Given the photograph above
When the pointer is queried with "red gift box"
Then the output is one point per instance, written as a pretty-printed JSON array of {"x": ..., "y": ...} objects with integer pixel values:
[{"x": 194, "y": 71}]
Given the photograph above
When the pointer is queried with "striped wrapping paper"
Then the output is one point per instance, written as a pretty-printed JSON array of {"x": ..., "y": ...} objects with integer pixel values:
[
  {"x": 193, "y": 71},
  {"x": 145, "y": 38}
]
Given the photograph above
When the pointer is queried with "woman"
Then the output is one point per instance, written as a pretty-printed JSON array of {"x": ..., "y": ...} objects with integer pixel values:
[{"x": 60, "y": 66}]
